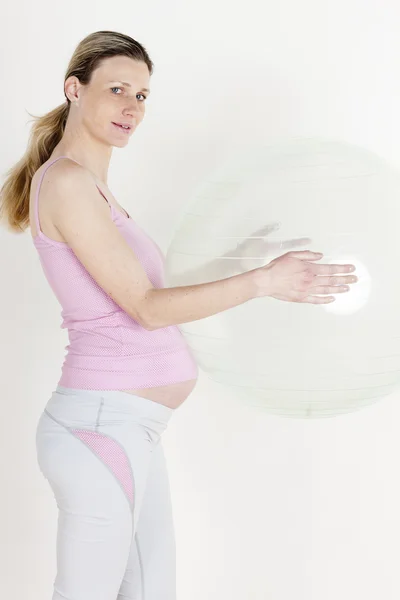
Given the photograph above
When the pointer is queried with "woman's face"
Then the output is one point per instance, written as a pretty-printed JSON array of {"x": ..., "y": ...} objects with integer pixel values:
[{"x": 116, "y": 94}]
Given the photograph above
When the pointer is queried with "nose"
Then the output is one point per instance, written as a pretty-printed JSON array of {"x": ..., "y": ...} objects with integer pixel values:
[{"x": 133, "y": 108}]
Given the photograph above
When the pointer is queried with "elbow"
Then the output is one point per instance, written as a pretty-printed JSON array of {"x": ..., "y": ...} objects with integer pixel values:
[
  {"x": 143, "y": 322},
  {"x": 141, "y": 319},
  {"x": 148, "y": 326},
  {"x": 146, "y": 319}
]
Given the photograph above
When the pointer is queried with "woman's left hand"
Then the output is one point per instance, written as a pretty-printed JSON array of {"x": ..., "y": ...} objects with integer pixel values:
[{"x": 256, "y": 247}]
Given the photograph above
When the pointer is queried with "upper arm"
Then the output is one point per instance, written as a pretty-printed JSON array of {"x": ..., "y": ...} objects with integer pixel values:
[{"x": 83, "y": 219}]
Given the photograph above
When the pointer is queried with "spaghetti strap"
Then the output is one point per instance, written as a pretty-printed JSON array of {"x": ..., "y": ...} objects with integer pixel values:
[{"x": 36, "y": 200}]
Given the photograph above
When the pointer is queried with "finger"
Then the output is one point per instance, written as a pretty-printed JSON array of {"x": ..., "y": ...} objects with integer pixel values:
[
  {"x": 299, "y": 241},
  {"x": 335, "y": 279},
  {"x": 287, "y": 244},
  {"x": 318, "y": 299},
  {"x": 260, "y": 233},
  {"x": 305, "y": 255},
  {"x": 329, "y": 289},
  {"x": 332, "y": 269},
  {"x": 266, "y": 229}
]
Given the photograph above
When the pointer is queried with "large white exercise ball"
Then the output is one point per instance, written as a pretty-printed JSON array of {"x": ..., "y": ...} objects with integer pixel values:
[{"x": 296, "y": 359}]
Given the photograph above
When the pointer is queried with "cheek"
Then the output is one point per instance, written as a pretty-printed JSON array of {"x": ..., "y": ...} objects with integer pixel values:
[
  {"x": 95, "y": 116},
  {"x": 102, "y": 117}
]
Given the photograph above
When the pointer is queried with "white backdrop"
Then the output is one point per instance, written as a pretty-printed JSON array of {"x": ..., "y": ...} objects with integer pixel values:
[{"x": 265, "y": 508}]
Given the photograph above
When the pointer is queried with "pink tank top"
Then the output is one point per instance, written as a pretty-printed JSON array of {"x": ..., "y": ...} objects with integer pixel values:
[{"x": 108, "y": 349}]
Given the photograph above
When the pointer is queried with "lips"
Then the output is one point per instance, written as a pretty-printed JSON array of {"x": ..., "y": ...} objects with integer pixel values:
[{"x": 126, "y": 125}]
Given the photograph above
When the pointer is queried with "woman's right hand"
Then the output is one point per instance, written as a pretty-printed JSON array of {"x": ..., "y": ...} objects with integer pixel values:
[{"x": 294, "y": 277}]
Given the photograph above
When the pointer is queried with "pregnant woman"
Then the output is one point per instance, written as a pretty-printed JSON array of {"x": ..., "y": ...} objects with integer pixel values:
[{"x": 127, "y": 367}]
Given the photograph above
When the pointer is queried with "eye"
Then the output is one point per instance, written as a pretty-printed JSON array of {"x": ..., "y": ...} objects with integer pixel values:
[{"x": 119, "y": 88}]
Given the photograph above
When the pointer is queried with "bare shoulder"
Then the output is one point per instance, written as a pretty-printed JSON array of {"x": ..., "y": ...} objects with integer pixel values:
[
  {"x": 82, "y": 217},
  {"x": 61, "y": 168},
  {"x": 65, "y": 174},
  {"x": 49, "y": 179}
]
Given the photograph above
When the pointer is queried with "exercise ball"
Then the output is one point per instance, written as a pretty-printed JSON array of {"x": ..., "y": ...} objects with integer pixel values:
[{"x": 295, "y": 359}]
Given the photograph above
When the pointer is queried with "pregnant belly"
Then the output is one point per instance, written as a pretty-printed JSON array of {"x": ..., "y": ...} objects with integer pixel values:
[{"x": 172, "y": 395}]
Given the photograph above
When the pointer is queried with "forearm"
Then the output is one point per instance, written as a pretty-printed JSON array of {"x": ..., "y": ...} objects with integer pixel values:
[
  {"x": 213, "y": 270},
  {"x": 219, "y": 268},
  {"x": 176, "y": 305}
]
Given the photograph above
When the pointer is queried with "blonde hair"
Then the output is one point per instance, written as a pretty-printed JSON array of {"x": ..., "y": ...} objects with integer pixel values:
[{"x": 48, "y": 129}]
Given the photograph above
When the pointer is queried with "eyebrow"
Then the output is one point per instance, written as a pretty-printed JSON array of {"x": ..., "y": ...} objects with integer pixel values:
[{"x": 128, "y": 85}]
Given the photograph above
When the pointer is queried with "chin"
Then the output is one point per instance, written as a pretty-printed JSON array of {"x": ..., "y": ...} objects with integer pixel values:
[{"x": 120, "y": 143}]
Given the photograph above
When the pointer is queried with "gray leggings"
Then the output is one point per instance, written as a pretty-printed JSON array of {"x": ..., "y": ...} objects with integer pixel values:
[{"x": 102, "y": 455}]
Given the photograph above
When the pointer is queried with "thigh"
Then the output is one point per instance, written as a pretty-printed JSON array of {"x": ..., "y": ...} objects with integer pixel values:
[
  {"x": 151, "y": 568},
  {"x": 98, "y": 475}
]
